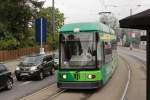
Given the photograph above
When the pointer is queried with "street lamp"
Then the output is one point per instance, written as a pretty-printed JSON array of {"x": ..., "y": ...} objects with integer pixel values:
[
  {"x": 53, "y": 28},
  {"x": 53, "y": 17},
  {"x": 131, "y": 36},
  {"x": 105, "y": 12}
]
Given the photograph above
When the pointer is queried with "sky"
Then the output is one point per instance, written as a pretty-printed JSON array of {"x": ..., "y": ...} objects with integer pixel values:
[{"x": 87, "y": 10}]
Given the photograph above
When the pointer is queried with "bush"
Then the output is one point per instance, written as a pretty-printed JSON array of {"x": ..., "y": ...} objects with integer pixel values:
[
  {"x": 127, "y": 44},
  {"x": 8, "y": 44},
  {"x": 53, "y": 43}
]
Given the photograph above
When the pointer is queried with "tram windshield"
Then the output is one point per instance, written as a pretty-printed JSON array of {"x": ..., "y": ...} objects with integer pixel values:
[{"x": 78, "y": 50}]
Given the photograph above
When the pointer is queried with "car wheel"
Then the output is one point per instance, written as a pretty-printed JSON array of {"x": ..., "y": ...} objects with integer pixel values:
[
  {"x": 9, "y": 84},
  {"x": 19, "y": 78},
  {"x": 41, "y": 76},
  {"x": 52, "y": 71}
]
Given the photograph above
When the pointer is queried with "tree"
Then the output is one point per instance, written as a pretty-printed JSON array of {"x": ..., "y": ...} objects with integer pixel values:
[
  {"x": 15, "y": 18},
  {"x": 47, "y": 14},
  {"x": 110, "y": 20},
  {"x": 59, "y": 21},
  {"x": 16, "y": 22}
]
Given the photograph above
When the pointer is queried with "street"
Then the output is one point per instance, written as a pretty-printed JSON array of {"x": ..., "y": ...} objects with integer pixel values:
[
  {"x": 74, "y": 50},
  {"x": 26, "y": 87},
  {"x": 113, "y": 90}
]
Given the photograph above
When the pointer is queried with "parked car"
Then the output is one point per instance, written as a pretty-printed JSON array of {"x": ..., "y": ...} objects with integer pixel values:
[
  {"x": 35, "y": 66},
  {"x": 6, "y": 79},
  {"x": 56, "y": 60}
]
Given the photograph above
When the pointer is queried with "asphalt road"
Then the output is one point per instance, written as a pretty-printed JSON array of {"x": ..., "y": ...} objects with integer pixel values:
[
  {"x": 113, "y": 90},
  {"x": 137, "y": 54},
  {"x": 137, "y": 87},
  {"x": 26, "y": 87}
]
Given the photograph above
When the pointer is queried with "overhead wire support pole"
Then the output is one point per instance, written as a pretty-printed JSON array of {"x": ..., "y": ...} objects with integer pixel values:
[
  {"x": 41, "y": 32},
  {"x": 100, "y": 13},
  {"x": 131, "y": 32},
  {"x": 53, "y": 29},
  {"x": 53, "y": 22},
  {"x": 104, "y": 12}
]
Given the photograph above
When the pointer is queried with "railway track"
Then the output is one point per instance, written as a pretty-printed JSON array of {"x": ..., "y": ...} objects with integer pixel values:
[
  {"x": 123, "y": 97},
  {"x": 45, "y": 93},
  {"x": 57, "y": 93}
]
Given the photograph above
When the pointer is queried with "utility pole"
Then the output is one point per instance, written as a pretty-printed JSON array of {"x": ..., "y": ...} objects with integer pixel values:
[
  {"x": 131, "y": 12},
  {"x": 100, "y": 13},
  {"x": 53, "y": 28},
  {"x": 131, "y": 32},
  {"x": 53, "y": 21}
]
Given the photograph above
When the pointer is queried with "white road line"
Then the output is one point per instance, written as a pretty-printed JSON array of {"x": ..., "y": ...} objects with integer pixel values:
[
  {"x": 127, "y": 84},
  {"x": 37, "y": 92},
  {"x": 24, "y": 83}
]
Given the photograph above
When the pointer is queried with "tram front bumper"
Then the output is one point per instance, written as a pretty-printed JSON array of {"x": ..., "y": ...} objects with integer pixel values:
[{"x": 79, "y": 85}]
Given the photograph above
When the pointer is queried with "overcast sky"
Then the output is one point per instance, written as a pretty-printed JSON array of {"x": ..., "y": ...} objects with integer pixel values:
[{"x": 87, "y": 10}]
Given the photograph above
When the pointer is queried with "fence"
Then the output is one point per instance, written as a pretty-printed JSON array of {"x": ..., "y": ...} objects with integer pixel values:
[{"x": 14, "y": 54}]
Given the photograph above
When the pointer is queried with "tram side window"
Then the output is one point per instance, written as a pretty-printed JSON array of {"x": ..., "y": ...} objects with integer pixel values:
[
  {"x": 99, "y": 53},
  {"x": 108, "y": 52}
]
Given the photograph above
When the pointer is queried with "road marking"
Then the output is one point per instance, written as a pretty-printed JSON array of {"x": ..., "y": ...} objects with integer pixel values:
[
  {"x": 37, "y": 92},
  {"x": 128, "y": 81},
  {"x": 24, "y": 83}
]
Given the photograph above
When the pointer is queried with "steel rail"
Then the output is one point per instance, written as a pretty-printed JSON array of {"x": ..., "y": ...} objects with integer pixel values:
[
  {"x": 128, "y": 81},
  {"x": 54, "y": 95}
]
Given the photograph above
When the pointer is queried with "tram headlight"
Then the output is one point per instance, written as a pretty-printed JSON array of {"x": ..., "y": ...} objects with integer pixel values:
[
  {"x": 17, "y": 68},
  {"x": 64, "y": 76},
  {"x": 91, "y": 76}
]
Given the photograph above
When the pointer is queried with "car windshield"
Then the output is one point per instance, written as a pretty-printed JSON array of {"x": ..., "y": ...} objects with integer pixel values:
[
  {"x": 78, "y": 50},
  {"x": 33, "y": 59}
]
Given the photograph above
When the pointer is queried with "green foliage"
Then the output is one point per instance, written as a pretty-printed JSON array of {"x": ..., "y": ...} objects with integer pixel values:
[
  {"x": 47, "y": 13},
  {"x": 53, "y": 42},
  {"x": 14, "y": 20},
  {"x": 135, "y": 41},
  {"x": 59, "y": 21},
  {"x": 127, "y": 44},
  {"x": 16, "y": 15},
  {"x": 8, "y": 42}
]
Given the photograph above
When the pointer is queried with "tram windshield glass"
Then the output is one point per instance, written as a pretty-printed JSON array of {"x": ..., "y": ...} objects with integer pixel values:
[{"x": 78, "y": 50}]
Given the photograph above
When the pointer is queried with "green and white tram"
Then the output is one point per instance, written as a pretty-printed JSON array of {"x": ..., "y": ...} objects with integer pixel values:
[{"x": 87, "y": 55}]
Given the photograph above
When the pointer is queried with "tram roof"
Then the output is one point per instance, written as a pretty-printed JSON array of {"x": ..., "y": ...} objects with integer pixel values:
[{"x": 86, "y": 26}]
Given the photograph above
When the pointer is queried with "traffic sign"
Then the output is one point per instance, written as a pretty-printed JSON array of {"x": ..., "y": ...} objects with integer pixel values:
[{"x": 41, "y": 30}]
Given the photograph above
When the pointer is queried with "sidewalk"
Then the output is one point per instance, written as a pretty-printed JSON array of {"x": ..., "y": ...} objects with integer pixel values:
[
  {"x": 134, "y": 49},
  {"x": 138, "y": 53},
  {"x": 12, "y": 64},
  {"x": 140, "y": 50}
]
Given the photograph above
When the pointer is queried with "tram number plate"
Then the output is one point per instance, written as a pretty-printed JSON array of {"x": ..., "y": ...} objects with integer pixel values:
[{"x": 76, "y": 76}]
